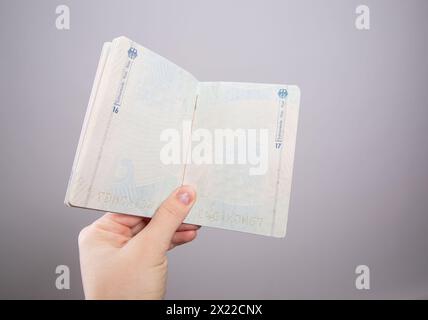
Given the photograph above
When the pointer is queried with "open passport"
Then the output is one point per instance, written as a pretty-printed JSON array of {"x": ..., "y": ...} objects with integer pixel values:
[{"x": 151, "y": 126}]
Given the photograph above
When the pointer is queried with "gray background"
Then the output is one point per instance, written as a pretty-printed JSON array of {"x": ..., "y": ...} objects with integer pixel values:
[{"x": 361, "y": 169}]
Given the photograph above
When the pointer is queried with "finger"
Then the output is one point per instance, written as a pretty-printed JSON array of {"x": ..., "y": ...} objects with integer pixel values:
[
  {"x": 168, "y": 217},
  {"x": 186, "y": 226},
  {"x": 140, "y": 226},
  {"x": 182, "y": 227},
  {"x": 183, "y": 237},
  {"x": 116, "y": 223},
  {"x": 124, "y": 219}
]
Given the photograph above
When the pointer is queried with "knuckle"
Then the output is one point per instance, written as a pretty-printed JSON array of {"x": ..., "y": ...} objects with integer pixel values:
[
  {"x": 169, "y": 210},
  {"x": 84, "y": 235}
]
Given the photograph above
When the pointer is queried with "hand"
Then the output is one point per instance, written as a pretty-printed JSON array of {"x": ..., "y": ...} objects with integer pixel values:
[{"x": 124, "y": 257}]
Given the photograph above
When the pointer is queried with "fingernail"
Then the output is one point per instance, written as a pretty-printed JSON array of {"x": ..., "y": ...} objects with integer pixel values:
[{"x": 184, "y": 197}]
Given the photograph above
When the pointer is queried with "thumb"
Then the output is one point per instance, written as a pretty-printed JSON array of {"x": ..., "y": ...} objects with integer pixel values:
[{"x": 169, "y": 216}]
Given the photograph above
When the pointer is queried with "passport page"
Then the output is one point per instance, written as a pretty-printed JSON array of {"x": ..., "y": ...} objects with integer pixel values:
[
  {"x": 246, "y": 185},
  {"x": 136, "y": 95}
]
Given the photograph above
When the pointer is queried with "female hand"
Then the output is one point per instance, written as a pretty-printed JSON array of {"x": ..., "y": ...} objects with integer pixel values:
[{"x": 124, "y": 257}]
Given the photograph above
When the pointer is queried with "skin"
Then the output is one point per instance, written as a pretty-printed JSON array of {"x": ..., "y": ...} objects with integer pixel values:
[{"x": 124, "y": 257}]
